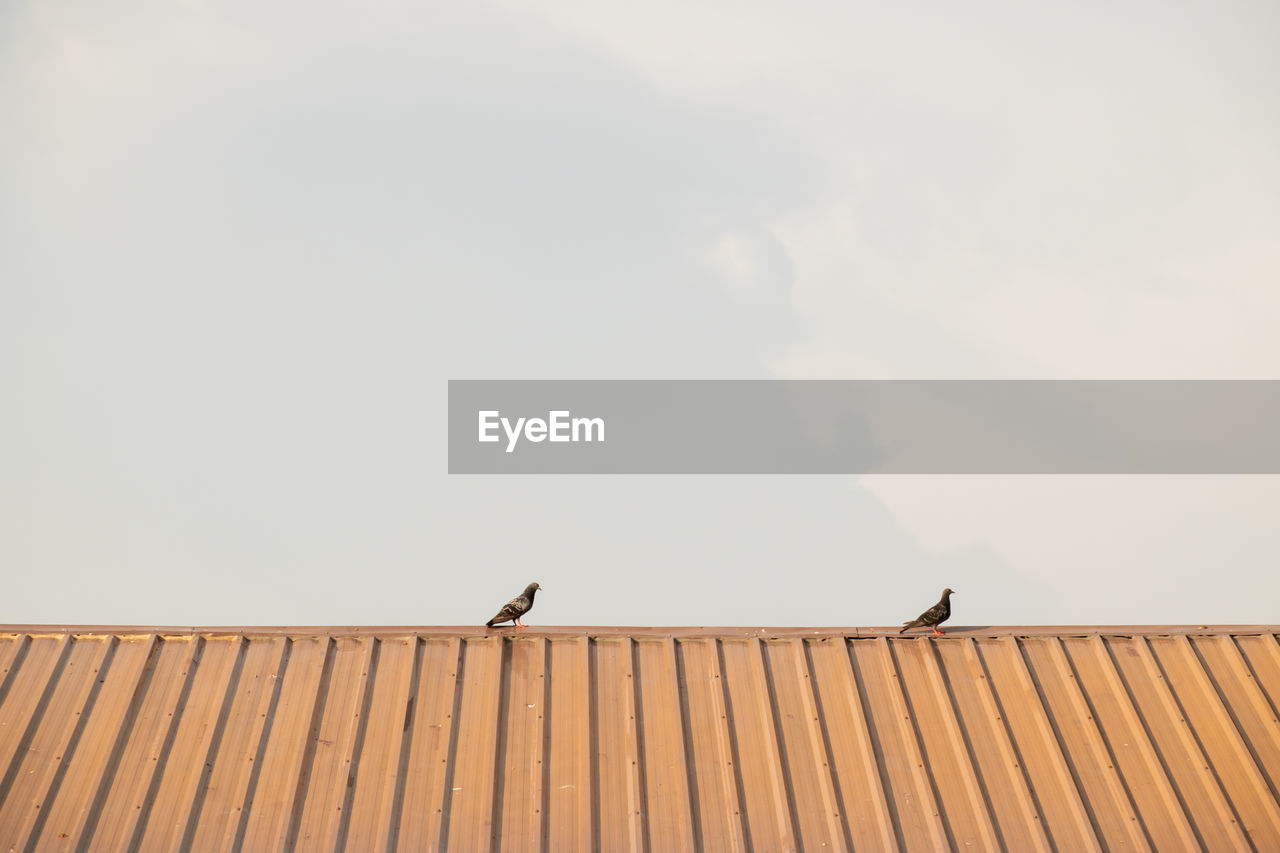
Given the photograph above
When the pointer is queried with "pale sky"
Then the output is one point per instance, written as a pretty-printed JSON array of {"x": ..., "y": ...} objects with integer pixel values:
[{"x": 243, "y": 246}]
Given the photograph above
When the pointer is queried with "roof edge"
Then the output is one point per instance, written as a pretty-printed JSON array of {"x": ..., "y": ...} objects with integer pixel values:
[{"x": 968, "y": 631}]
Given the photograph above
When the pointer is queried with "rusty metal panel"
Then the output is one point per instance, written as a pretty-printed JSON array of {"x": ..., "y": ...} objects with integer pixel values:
[
  {"x": 520, "y": 786},
  {"x": 614, "y": 739},
  {"x": 803, "y": 747},
  {"x": 1184, "y": 763},
  {"x": 283, "y": 757},
  {"x": 11, "y": 646},
  {"x": 469, "y": 798},
  {"x": 664, "y": 763},
  {"x": 1218, "y": 741},
  {"x": 38, "y": 663},
  {"x": 1059, "y": 799},
  {"x": 570, "y": 778},
  {"x": 716, "y": 803},
  {"x": 25, "y": 788},
  {"x": 430, "y": 738},
  {"x": 229, "y": 775},
  {"x": 616, "y": 753},
  {"x": 197, "y": 720},
  {"x": 1155, "y": 795},
  {"x": 86, "y": 768},
  {"x": 143, "y": 745},
  {"x": 911, "y": 796},
  {"x": 327, "y": 773},
  {"x": 1084, "y": 746},
  {"x": 370, "y": 801},
  {"x": 765, "y": 792},
  {"x": 854, "y": 763},
  {"x": 962, "y": 797},
  {"x": 1006, "y": 792},
  {"x": 1245, "y": 702}
]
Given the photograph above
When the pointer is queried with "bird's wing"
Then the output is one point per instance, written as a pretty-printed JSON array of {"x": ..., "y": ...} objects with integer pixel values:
[
  {"x": 933, "y": 615},
  {"x": 513, "y": 609}
]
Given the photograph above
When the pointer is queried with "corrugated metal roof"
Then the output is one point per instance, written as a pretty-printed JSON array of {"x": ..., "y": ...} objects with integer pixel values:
[{"x": 639, "y": 739}]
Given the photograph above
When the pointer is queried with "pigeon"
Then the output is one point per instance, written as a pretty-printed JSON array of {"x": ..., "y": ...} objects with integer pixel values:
[
  {"x": 934, "y": 616},
  {"x": 516, "y": 607}
]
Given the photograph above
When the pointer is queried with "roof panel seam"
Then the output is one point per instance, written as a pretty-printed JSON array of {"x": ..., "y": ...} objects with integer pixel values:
[
  {"x": 215, "y": 743},
  {"x": 1191, "y": 742},
  {"x": 784, "y": 774},
  {"x": 357, "y": 746},
  {"x": 264, "y": 737},
  {"x": 407, "y": 733},
  {"x": 68, "y": 755},
  {"x": 940, "y": 826},
  {"x": 1099, "y": 739},
  {"x": 975, "y": 785},
  {"x": 731, "y": 727},
  {"x": 824, "y": 736},
  {"x": 1011, "y": 754},
  {"x": 1129, "y": 707},
  {"x": 35, "y": 718},
  {"x": 162, "y": 760},
  {"x": 309, "y": 751},
  {"x": 1060, "y": 757}
]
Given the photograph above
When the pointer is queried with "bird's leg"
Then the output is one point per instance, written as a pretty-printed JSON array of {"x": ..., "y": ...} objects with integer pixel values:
[
  {"x": 937, "y": 632},
  {"x": 520, "y": 624}
]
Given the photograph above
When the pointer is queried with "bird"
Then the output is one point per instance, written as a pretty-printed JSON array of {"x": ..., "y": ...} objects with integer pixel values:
[
  {"x": 934, "y": 616},
  {"x": 516, "y": 607}
]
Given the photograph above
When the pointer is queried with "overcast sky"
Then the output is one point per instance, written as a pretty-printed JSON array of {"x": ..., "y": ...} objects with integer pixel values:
[{"x": 243, "y": 246}]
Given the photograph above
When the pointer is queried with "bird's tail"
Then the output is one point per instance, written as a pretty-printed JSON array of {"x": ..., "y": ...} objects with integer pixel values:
[
  {"x": 489, "y": 624},
  {"x": 906, "y": 625}
]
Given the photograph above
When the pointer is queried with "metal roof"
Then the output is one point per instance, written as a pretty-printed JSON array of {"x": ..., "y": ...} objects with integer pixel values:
[{"x": 1072, "y": 738}]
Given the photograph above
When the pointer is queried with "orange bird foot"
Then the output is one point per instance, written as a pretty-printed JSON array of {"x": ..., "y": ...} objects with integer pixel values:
[{"x": 937, "y": 633}]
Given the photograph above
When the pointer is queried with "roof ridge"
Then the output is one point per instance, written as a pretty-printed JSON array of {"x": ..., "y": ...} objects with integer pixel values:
[{"x": 640, "y": 630}]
